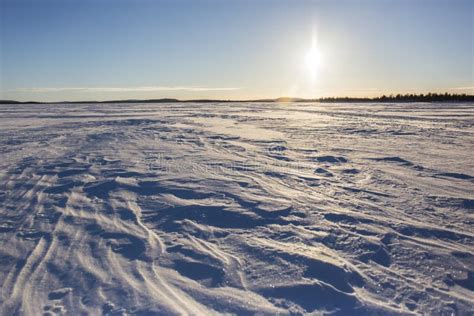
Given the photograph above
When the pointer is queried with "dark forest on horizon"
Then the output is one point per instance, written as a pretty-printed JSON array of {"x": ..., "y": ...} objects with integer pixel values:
[{"x": 408, "y": 97}]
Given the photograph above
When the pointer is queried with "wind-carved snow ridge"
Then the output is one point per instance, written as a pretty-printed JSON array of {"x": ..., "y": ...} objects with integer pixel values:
[{"x": 242, "y": 208}]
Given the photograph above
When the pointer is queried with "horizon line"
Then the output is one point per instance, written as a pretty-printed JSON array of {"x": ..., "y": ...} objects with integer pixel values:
[{"x": 391, "y": 96}]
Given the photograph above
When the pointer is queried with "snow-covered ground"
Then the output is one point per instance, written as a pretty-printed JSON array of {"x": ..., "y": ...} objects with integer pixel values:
[{"x": 236, "y": 208}]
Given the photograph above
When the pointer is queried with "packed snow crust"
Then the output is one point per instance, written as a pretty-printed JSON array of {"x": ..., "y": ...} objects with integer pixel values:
[{"x": 144, "y": 209}]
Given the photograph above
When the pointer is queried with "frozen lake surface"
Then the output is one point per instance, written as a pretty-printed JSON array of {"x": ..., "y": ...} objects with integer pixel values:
[{"x": 190, "y": 208}]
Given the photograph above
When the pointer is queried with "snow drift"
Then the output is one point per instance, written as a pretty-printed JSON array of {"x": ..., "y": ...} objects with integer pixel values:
[{"x": 236, "y": 208}]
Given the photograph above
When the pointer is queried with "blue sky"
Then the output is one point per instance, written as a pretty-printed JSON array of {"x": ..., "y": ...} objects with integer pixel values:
[{"x": 97, "y": 50}]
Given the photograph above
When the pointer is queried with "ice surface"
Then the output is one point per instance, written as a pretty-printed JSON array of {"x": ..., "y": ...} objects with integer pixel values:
[{"x": 266, "y": 208}]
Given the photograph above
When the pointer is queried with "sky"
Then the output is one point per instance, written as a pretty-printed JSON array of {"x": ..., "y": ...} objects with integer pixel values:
[{"x": 58, "y": 50}]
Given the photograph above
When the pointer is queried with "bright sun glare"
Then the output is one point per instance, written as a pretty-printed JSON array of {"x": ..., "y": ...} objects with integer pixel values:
[{"x": 313, "y": 60}]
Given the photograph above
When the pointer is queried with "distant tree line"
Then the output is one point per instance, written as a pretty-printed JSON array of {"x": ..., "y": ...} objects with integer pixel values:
[{"x": 409, "y": 97}]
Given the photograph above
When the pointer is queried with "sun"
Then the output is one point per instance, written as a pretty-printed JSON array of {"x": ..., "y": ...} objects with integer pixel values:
[{"x": 313, "y": 60}]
